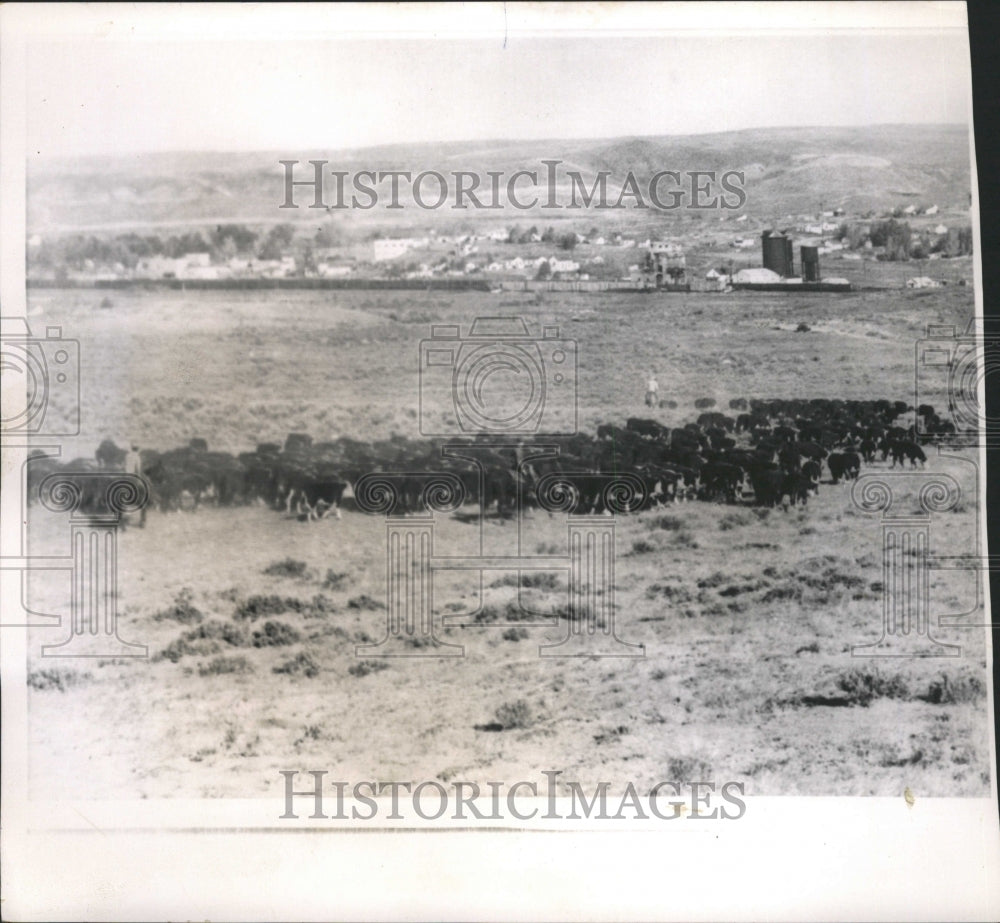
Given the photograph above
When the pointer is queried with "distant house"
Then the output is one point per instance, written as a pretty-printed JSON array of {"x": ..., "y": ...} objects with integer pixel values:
[
  {"x": 390, "y": 248},
  {"x": 940, "y": 229},
  {"x": 933, "y": 210},
  {"x": 334, "y": 270},
  {"x": 910, "y": 210},
  {"x": 922, "y": 282}
]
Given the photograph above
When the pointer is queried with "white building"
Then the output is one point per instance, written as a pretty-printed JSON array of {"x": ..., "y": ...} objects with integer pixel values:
[
  {"x": 392, "y": 247},
  {"x": 389, "y": 249},
  {"x": 334, "y": 270}
]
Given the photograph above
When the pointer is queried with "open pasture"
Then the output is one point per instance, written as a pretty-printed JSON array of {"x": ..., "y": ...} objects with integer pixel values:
[{"x": 748, "y": 615}]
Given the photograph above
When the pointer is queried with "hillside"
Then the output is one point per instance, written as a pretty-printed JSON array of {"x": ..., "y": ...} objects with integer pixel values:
[{"x": 789, "y": 170}]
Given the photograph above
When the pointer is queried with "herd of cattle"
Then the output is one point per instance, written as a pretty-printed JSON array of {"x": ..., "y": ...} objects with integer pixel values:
[{"x": 767, "y": 452}]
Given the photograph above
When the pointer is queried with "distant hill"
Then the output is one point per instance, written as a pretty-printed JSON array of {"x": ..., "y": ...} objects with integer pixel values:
[{"x": 788, "y": 171}]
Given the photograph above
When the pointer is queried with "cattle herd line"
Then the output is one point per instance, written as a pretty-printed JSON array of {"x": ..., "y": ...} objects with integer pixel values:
[{"x": 767, "y": 452}]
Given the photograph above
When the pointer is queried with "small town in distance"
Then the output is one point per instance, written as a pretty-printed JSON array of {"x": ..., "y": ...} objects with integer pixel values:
[{"x": 823, "y": 251}]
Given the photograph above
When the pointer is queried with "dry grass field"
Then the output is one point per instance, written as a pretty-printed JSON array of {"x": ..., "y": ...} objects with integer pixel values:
[{"x": 748, "y": 616}]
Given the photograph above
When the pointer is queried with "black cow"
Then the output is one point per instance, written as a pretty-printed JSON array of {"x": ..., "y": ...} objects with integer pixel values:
[
  {"x": 845, "y": 465},
  {"x": 797, "y": 487},
  {"x": 767, "y": 482},
  {"x": 649, "y": 428},
  {"x": 907, "y": 449},
  {"x": 110, "y": 457}
]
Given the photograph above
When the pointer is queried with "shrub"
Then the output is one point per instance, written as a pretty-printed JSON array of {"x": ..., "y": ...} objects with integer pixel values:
[
  {"x": 511, "y": 612},
  {"x": 612, "y": 735},
  {"x": 301, "y": 663},
  {"x": 549, "y": 548},
  {"x": 257, "y": 606},
  {"x": 668, "y": 523},
  {"x": 364, "y": 667},
  {"x": 862, "y": 685},
  {"x": 644, "y": 546},
  {"x": 319, "y": 607},
  {"x": 203, "y": 640},
  {"x": 218, "y": 666},
  {"x": 364, "y": 601},
  {"x": 335, "y": 581},
  {"x": 788, "y": 591},
  {"x": 540, "y": 580},
  {"x": 734, "y": 520},
  {"x": 676, "y": 593},
  {"x": 688, "y": 769},
  {"x": 512, "y": 715},
  {"x": 182, "y": 610},
  {"x": 289, "y": 567},
  {"x": 60, "y": 680},
  {"x": 948, "y": 691},
  {"x": 515, "y": 634},
  {"x": 275, "y": 634},
  {"x": 713, "y": 580}
]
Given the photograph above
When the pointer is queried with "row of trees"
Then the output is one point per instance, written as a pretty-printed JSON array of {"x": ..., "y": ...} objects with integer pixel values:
[
  {"x": 567, "y": 241},
  {"x": 902, "y": 243},
  {"x": 222, "y": 242}
]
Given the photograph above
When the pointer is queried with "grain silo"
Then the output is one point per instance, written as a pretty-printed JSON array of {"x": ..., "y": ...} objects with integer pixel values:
[
  {"x": 810, "y": 263},
  {"x": 777, "y": 253}
]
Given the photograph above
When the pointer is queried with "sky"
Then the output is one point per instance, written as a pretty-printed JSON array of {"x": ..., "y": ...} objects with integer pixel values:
[{"x": 132, "y": 92}]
